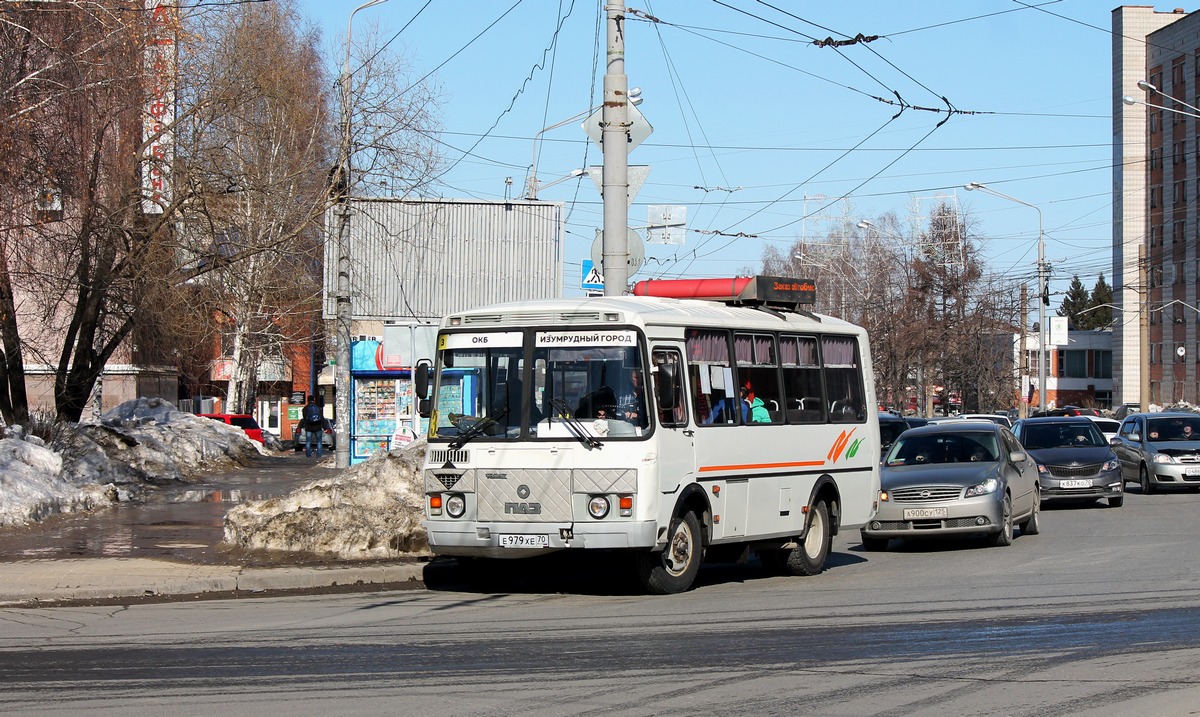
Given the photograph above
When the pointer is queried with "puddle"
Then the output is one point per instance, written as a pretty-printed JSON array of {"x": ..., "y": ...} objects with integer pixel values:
[{"x": 183, "y": 521}]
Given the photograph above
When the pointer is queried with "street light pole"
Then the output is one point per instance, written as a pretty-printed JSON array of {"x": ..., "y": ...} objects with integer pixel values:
[
  {"x": 1043, "y": 289},
  {"x": 342, "y": 185}
]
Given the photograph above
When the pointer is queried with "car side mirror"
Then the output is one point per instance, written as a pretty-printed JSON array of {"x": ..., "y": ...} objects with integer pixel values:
[
  {"x": 1135, "y": 437},
  {"x": 1018, "y": 456},
  {"x": 1114, "y": 441}
]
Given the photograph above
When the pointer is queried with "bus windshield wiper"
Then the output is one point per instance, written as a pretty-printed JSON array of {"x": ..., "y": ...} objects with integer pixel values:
[
  {"x": 477, "y": 429},
  {"x": 573, "y": 425}
]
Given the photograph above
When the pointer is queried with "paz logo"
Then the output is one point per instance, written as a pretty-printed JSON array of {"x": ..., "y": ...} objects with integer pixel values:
[{"x": 840, "y": 445}]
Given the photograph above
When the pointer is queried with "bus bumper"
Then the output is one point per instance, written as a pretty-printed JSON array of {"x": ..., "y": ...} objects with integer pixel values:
[{"x": 521, "y": 540}]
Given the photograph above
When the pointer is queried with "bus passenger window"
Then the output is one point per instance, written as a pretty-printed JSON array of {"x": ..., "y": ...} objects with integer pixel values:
[{"x": 710, "y": 375}]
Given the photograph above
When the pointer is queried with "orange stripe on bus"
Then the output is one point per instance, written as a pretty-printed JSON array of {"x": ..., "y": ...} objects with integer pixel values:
[{"x": 757, "y": 466}]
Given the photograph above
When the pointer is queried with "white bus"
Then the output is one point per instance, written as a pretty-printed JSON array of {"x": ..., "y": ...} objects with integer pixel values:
[{"x": 757, "y": 431}]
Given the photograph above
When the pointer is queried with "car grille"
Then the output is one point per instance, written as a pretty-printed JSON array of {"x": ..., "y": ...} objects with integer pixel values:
[
  {"x": 1074, "y": 471},
  {"x": 929, "y": 494},
  {"x": 931, "y": 524}
]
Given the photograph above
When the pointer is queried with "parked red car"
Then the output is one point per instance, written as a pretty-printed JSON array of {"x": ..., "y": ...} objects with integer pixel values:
[{"x": 243, "y": 421}]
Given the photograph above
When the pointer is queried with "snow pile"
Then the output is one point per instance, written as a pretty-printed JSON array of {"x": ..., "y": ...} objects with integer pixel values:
[
  {"x": 140, "y": 442},
  {"x": 31, "y": 487},
  {"x": 372, "y": 510}
]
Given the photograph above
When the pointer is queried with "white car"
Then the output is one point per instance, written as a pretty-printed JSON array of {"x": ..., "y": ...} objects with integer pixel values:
[
  {"x": 1107, "y": 426},
  {"x": 993, "y": 417}
]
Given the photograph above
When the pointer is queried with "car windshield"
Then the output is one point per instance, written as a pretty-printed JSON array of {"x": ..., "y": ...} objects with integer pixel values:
[
  {"x": 933, "y": 448},
  {"x": 1058, "y": 435},
  {"x": 243, "y": 421},
  {"x": 1173, "y": 429}
]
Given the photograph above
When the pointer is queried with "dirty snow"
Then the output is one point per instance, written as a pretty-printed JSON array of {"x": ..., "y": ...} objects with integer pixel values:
[
  {"x": 372, "y": 510},
  {"x": 90, "y": 464}
]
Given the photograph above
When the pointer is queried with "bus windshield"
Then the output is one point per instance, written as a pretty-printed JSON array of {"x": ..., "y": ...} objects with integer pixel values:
[{"x": 577, "y": 381}]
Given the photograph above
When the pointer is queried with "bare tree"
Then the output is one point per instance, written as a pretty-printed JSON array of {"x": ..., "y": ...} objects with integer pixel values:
[
  {"x": 256, "y": 152},
  {"x": 78, "y": 254},
  {"x": 932, "y": 316}
]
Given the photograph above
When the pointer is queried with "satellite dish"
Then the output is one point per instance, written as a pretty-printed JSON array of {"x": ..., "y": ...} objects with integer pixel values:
[{"x": 637, "y": 250}]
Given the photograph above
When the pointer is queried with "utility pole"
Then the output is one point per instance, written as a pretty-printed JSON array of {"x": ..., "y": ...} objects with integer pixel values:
[
  {"x": 1144, "y": 330},
  {"x": 615, "y": 145},
  {"x": 343, "y": 314},
  {"x": 1023, "y": 360}
]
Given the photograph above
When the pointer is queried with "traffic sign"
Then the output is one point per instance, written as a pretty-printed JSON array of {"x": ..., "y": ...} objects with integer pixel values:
[
  {"x": 639, "y": 128},
  {"x": 592, "y": 278}
]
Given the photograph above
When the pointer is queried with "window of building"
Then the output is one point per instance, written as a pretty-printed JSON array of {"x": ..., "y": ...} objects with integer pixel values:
[
  {"x": 1155, "y": 197},
  {"x": 1155, "y": 158},
  {"x": 1155, "y": 235},
  {"x": 1074, "y": 364},
  {"x": 1179, "y": 152},
  {"x": 1179, "y": 196},
  {"x": 1103, "y": 364},
  {"x": 1156, "y": 121},
  {"x": 1177, "y": 74}
]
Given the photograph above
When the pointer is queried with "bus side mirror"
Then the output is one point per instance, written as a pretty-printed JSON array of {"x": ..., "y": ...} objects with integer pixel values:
[
  {"x": 665, "y": 385},
  {"x": 423, "y": 407},
  {"x": 421, "y": 381}
]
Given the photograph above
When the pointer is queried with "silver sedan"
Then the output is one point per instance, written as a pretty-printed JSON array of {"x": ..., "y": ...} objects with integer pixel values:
[{"x": 967, "y": 477}]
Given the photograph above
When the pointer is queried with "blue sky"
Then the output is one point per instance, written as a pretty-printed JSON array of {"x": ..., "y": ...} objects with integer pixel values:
[{"x": 756, "y": 127}]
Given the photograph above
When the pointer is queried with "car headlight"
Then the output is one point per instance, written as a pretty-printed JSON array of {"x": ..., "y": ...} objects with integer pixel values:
[
  {"x": 988, "y": 486},
  {"x": 456, "y": 505},
  {"x": 598, "y": 506},
  {"x": 1163, "y": 458},
  {"x": 1043, "y": 470},
  {"x": 1111, "y": 464}
]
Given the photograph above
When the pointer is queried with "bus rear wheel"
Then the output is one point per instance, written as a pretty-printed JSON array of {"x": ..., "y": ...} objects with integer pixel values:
[
  {"x": 674, "y": 569},
  {"x": 807, "y": 558}
]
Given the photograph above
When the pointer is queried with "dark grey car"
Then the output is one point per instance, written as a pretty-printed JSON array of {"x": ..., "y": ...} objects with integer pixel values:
[
  {"x": 1159, "y": 449},
  {"x": 1074, "y": 459}
]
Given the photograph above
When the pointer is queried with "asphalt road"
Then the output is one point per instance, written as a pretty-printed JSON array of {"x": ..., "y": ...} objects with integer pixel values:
[{"x": 1098, "y": 615}]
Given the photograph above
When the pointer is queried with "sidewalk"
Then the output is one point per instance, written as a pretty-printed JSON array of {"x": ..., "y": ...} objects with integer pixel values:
[
  {"x": 48, "y": 582},
  {"x": 170, "y": 547}
]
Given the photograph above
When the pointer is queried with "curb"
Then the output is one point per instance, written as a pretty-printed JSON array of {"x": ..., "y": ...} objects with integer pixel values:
[{"x": 42, "y": 582}]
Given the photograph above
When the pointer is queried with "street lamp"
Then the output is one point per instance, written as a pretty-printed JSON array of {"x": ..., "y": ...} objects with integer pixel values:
[
  {"x": 341, "y": 376},
  {"x": 1043, "y": 289}
]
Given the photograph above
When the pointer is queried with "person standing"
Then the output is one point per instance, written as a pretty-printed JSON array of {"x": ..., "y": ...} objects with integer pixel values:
[{"x": 314, "y": 426}]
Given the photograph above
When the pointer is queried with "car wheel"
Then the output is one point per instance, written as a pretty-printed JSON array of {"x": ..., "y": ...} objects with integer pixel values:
[
  {"x": 874, "y": 545},
  {"x": 1005, "y": 535},
  {"x": 1033, "y": 524},
  {"x": 1144, "y": 480},
  {"x": 1116, "y": 501},
  {"x": 674, "y": 568}
]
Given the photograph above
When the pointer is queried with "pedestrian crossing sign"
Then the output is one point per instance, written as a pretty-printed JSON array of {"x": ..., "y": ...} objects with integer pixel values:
[{"x": 592, "y": 278}]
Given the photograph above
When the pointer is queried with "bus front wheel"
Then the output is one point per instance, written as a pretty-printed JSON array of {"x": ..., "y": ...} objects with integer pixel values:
[{"x": 674, "y": 569}]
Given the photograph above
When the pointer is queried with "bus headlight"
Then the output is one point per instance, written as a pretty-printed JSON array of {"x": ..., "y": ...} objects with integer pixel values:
[
  {"x": 456, "y": 505},
  {"x": 598, "y": 506}
]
